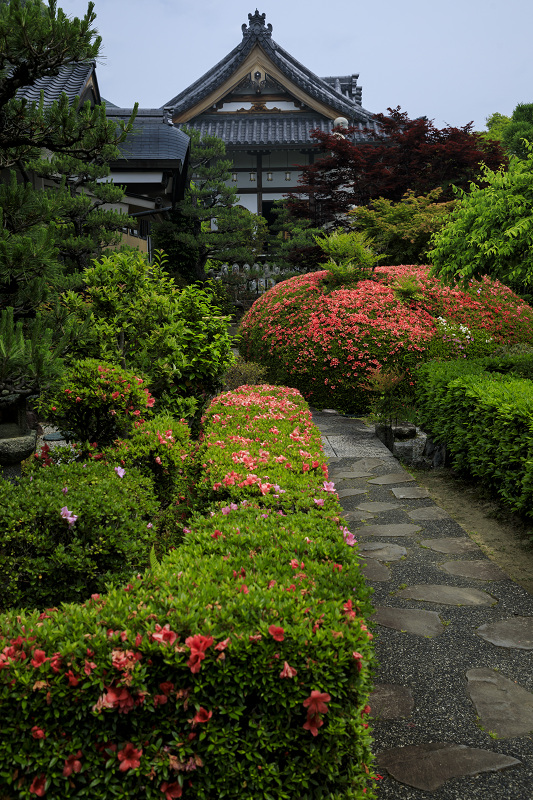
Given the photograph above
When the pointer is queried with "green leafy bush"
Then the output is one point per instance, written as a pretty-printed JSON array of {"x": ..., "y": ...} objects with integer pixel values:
[
  {"x": 486, "y": 421},
  {"x": 351, "y": 257},
  {"x": 143, "y": 322},
  {"x": 238, "y": 667},
  {"x": 401, "y": 232},
  {"x": 327, "y": 343},
  {"x": 160, "y": 449},
  {"x": 243, "y": 373},
  {"x": 68, "y": 529},
  {"x": 96, "y": 402}
]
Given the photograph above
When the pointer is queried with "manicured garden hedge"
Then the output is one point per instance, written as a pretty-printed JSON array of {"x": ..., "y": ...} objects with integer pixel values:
[
  {"x": 328, "y": 342},
  {"x": 486, "y": 421},
  {"x": 239, "y": 667}
]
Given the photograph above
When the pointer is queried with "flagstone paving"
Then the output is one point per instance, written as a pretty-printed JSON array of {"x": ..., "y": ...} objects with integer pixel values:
[{"x": 453, "y": 701}]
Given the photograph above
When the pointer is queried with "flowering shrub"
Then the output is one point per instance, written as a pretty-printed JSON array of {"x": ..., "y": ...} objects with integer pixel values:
[
  {"x": 238, "y": 667},
  {"x": 325, "y": 343},
  {"x": 67, "y": 529},
  {"x": 96, "y": 402},
  {"x": 160, "y": 449}
]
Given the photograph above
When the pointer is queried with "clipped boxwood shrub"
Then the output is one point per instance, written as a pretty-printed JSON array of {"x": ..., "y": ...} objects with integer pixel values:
[
  {"x": 68, "y": 529},
  {"x": 486, "y": 421},
  {"x": 239, "y": 667},
  {"x": 328, "y": 343}
]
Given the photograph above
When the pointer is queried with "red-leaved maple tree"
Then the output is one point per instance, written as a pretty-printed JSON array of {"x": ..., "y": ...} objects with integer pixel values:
[{"x": 402, "y": 154}]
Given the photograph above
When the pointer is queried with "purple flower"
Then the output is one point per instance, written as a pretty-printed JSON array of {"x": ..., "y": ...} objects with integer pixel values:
[
  {"x": 68, "y": 515},
  {"x": 120, "y": 471},
  {"x": 64, "y": 489},
  {"x": 149, "y": 525}
]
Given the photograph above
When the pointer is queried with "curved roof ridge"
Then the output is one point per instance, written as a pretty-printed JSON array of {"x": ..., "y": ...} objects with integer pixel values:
[{"x": 257, "y": 32}]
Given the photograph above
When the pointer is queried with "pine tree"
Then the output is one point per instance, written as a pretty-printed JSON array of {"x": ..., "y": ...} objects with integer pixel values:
[
  {"x": 47, "y": 237},
  {"x": 208, "y": 224}
]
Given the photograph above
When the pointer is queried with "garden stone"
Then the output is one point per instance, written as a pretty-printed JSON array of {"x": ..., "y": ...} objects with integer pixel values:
[
  {"x": 428, "y": 513},
  {"x": 446, "y": 595},
  {"x": 514, "y": 632},
  {"x": 368, "y": 463},
  {"x": 409, "y": 620},
  {"x": 429, "y": 766},
  {"x": 453, "y": 545},
  {"x": 382, "y": 551},
  {"x": 392, "y": 477},
  {"x": 505, "y": 708},
  {"x": 342, "y": 476},
  {"x": 357, "y": 516},
  {"x": 391, "y": 701},
  {"x": 410, "y": 493},
  {"x": 375, "y": 508},
  {"x": 393, "y": 529},
  {"x": 350, "y": 492},
  {"x": 374, "y": 570},
  {"x": 480, "y": 570}
]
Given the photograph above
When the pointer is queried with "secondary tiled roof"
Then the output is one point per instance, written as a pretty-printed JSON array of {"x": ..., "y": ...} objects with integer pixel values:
[
  {"x": 152, "y": 137},
  {"x": 72, "y": 79},
  {"x": 271, "y": 129},
  {"x": 346, "y": 104}
]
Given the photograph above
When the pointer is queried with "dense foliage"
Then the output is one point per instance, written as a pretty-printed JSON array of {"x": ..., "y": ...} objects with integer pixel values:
[
  {"x": 142, "y": 321},
  {"x": 401, "y": 231},
  {"x": 327, "y": 343},
  {"x": 490, "y": 231},
  {"x": 68, "y": 529},
  {"x": 496, "y": 446},
  {"x": 238, "y": 667},
  {"x": 47, "y": 237},
  {"x": 208, "y": 224},
  {"x": 402, "y": 155}
]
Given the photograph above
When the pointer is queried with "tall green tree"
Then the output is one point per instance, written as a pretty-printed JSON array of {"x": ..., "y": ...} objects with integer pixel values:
[
  {"x": 208, "y": 224},
  {"x": 490, "y": 231},
  {"x": 519, "y": 128},
  {"x": 47, "y": 237}
]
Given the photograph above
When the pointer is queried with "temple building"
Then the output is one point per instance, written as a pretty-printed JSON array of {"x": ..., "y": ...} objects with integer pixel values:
[{"x": 263, "y": 104}]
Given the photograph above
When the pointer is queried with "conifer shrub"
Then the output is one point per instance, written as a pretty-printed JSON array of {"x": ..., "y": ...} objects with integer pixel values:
[
  {"x": 238, "y": 667},
  {"x": 327, "y": 342}
]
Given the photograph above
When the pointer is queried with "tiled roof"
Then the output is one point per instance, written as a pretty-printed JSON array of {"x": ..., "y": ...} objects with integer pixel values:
[
  {"x": 152, "y": 138},
  {"x": 71, "y": 80},
  {"x": 346, "y": 104},
  {"x": 270, "y": 129}
]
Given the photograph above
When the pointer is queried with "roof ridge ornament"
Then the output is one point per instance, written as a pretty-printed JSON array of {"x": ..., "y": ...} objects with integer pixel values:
[{"x": 256, "y": 26}]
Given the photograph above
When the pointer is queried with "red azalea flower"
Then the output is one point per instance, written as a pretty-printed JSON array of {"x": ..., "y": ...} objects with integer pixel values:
[
  {"x": 72, "y": 764},
  {"x": 38, "y": 786},
  {"x": 287, "y": 671},
  {"x": 313, "y": 723},
  {"x": 276, "y": 633},
  {"x": 129, "y": 757},
  {"x": 198, "y": 645},
  {"x": 166, "y": 687},
  {"x": 72, "y": 679},
  {"x": 316, "y": 703},
  {"x": 202, "y": 715},
  {"x": 38, "y": 733},
  {"x": 171, "y": 790},
  {"x": 39, "y": 658}
]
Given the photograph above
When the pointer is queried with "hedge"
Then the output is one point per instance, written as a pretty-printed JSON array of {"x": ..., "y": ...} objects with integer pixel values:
[
  {"x": 238, "y": 667},
  {"x": 486, "y": 421}
]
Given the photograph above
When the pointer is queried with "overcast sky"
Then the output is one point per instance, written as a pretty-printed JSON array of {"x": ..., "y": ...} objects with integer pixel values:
[{"x": 454, "y": 62}]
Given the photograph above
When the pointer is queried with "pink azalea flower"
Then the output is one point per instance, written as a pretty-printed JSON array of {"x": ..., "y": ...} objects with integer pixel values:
[
  {"x": 120, "y": 471},
  {"x": 287, "y": 671},
  {"x": 319, "y": 501},
  {"x": 328, "y": 486}
]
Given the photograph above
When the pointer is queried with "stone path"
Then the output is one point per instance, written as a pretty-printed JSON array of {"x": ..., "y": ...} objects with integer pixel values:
[{"x": 453, "y": 703}]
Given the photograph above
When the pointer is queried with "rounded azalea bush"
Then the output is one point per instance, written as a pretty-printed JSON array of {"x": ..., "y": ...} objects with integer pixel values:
[{"x": 329, "y": 341}]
